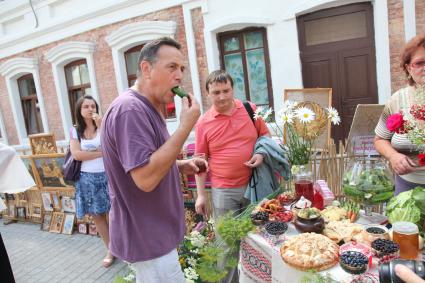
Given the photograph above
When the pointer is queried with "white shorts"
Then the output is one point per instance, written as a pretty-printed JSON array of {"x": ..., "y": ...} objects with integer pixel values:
[{"x": 163, "y": 269}]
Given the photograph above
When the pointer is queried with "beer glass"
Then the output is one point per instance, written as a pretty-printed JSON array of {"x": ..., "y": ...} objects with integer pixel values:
[{"x": 406, "y": 234}]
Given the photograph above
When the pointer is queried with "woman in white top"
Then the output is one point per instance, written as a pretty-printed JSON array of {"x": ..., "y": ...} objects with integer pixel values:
[{"x": 91, "y": 189}]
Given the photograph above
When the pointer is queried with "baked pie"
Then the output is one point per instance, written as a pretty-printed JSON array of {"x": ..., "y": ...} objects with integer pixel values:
[
  {"x": 342, "y": 230},
  {"x": 310, "y": 251}
]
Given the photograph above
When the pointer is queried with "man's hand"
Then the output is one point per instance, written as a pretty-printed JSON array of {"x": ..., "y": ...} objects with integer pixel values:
[
  {"x": 407, "y": 275},
  {"x": 190, "y": 113},
  {"x": 255, "y": 160},
  {"x": 201, "y": 205},
  {"x": 192, "y": 166},
  {"x": 401, "y": 164}
]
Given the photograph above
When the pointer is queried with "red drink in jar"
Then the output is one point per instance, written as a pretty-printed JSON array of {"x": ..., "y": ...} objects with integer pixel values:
[{"x": 304, "y": 188}]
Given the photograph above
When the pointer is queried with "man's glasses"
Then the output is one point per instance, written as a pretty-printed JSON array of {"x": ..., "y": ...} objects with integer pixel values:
[{"x": 418, "y": 64}]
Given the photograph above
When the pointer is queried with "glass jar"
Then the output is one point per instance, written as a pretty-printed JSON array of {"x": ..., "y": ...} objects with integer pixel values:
[
  {"x": 303, "y": 180},
  {"x": 368, "y": 181},
  {"x": 406, "y": 234}
]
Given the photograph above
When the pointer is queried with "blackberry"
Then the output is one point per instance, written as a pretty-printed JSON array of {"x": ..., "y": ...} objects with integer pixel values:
[
  {"x": 276, "y": 228},
  {"x": 375, "y": 230},
  {"x": 260, "y": 215},
  {"x": 385, "y": 247}
]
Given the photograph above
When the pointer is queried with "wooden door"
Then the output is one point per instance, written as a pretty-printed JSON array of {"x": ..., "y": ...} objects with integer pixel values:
[{"x": 337, "y": 50}]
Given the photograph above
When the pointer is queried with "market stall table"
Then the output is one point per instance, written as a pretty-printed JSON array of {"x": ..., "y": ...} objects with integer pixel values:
[{"x": 260, "y": 259}]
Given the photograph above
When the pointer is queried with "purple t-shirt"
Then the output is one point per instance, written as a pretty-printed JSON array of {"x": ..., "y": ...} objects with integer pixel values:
[{"x": 142, "y": 225}]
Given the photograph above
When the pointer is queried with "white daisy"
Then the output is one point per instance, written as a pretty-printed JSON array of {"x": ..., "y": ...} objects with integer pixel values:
[
  {"x": 258, "y": 113},
  {"x": 305, "y": 115},
  {"x": 286, "y": 118},
  {"x": 333, "y": 115},
  {"x": 289, "y": 105},
  {"x": 268, "y": 113}
]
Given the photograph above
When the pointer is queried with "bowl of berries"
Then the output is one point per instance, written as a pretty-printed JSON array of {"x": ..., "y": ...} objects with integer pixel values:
[
  {"x": 354, "y": 262},
  {"x": 377, "y": 232},
  {"x": 259, "y": 218},
  {"x": 275, "y": 229},
  {"x": 385, "y": 250}
]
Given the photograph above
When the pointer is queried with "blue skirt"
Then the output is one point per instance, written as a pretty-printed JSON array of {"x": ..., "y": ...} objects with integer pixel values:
[{"x": 92, "y": 195}]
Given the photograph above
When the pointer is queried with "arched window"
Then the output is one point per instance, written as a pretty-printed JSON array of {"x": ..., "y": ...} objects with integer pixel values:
[
  {"x": 131, "y": 60},
  {"x": 29, "y": 104},
  {"x": 78, "y": 82}
]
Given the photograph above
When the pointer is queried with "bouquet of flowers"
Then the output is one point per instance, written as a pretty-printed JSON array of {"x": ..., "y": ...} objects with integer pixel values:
[
  {"x": 411, "y": 121},
  {"x": 297, "y": 126}
]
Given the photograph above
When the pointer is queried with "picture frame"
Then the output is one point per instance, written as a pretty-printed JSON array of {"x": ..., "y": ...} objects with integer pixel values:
[
  {"x": 321, "y": 96},
  {"x": 46, "y": 197},
  {"x": 56, "y": 201},
  {"x": 46, "y": 221},
  {"x": 92, "y": 230},
  {"x": 21, "y": 212},
  {"x": 68, "y": 226},
  {"x": 68, "y": 204},
  {"x": 43, "y": 143},
  {"x": 35, "y": 211},
  {"x": 56, "y": 225},
  {"x": 29, "y": 164},
  {"x": 49, "y": 168},
  {"x": 82, "y": 228},
  {"x": 11, "y": 211}
]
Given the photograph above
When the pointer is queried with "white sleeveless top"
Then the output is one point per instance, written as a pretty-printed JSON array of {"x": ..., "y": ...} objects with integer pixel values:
[{"x": 94, "y": 165}]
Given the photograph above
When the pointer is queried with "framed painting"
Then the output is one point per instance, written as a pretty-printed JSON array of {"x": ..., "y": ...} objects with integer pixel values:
[
  {"x": 50, "y": 170},
  {"x": 21, "y": 212},
  {"x": 56, "y": 201},
  {"x": 46, "y": 197},
  {"x": 92, "y": 229},
  {"x": 43, "y": 143},
  {"x": 319, "y": 98},
  {"x": 68, "y": 204},
  {"x": 45, "y": 223},
  {"x": 58, "y": 219},
  {"x": 29, "y": 164},
  {"x": 68, "y": 225},
  {"x": 82, "y": 228},
  {"x": 35, "y": 211}
]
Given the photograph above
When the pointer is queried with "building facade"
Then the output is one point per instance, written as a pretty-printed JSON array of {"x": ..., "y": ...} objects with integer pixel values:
[{"x": 53, "y": 51}]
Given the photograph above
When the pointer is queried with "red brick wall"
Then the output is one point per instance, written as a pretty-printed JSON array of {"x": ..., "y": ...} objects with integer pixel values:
[
  {"x": 105, "y": 74},
  {"x": 420, "y": 19},
  {"x": 198, "y": 29},
  {"x": 397, "y": 41}
]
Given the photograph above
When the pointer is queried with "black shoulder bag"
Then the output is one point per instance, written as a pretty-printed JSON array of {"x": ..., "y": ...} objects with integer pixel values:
[{"x": 71, "y": 167}]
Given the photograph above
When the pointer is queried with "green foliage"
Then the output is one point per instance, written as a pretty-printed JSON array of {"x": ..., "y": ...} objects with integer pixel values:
[
  {"x": 313, "y": 276},
  {"x": 233, "y": 230}
]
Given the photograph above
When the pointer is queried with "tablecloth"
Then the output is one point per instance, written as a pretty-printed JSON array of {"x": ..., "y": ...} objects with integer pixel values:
[{"x": 260, "y": 259}]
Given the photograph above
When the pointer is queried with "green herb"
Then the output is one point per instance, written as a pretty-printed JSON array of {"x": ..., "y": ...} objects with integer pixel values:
[
  {"x": 313, "y": 276},
  {"x": 179, "y": 91},
  {"x": 233, "y": 230}
]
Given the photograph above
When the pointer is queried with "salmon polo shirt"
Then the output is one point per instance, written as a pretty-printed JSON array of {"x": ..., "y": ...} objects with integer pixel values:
[{"x": 228, "y": 141}]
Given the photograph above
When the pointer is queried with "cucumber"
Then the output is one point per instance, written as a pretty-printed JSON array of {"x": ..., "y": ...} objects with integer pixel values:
[
  {"x": 382, "y": 197},
  {"x": 352, "y": 191},
  {"x": 178, "y": 91}
]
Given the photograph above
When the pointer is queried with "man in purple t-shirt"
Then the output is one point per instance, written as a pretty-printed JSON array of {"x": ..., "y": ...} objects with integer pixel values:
[{"x": 146, "y": 216}]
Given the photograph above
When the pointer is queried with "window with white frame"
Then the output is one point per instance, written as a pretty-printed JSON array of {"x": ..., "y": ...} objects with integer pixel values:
[
  {"x": 29, "y": 104},
  {"x": 25, "y": 95},
  {"x": 78, "y": 83}
]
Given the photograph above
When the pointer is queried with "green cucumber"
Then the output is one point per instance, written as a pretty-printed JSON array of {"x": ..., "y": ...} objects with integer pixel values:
[
  {"x": 382, "y": 197},
  {"x": 179, "y": 91},
  {"x": 352, "y": 191}
]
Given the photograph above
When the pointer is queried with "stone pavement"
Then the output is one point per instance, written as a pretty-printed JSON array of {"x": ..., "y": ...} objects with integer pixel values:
[{"x": 39, "y": 256}]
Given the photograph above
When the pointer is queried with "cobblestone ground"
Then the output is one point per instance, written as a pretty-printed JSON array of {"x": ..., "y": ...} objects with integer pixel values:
[{"x": 38, "y": 256}]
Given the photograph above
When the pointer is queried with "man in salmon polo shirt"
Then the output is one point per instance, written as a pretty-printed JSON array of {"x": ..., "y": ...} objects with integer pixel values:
[{"x": 226, "y": 135}]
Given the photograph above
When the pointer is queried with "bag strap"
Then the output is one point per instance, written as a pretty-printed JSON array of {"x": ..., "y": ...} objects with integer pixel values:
[{"x": 248, "y": 109}]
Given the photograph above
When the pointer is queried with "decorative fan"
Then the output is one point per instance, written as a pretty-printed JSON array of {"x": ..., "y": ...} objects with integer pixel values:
[{"x": 315, "y": 128}]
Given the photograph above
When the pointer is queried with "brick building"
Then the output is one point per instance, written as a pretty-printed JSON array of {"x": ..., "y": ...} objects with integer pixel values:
[{"x": 52, "y": 51}]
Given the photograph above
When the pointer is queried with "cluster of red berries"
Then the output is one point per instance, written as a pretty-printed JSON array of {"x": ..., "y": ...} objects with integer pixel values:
[{"x": 418, "y": 112}]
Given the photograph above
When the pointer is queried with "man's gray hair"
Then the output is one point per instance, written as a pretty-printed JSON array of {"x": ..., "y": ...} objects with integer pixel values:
[{"x": 149, "y": 52}]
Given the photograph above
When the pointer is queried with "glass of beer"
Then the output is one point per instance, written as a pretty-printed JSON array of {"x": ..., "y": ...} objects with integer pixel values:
[{"x": 406, "y": 234}]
